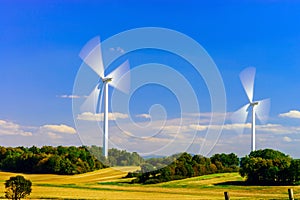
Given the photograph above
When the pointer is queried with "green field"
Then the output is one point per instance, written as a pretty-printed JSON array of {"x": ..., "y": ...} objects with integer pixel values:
[{"x": 108, "y": 184}]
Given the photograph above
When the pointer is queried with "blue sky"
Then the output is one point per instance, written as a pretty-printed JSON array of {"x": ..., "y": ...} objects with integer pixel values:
[{"x": 40, "y": 43}]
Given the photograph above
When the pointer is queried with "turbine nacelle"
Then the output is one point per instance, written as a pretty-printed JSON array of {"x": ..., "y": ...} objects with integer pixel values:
[
  {"x": 254, "y": 104},
  {"x": 106, "y": 80}
]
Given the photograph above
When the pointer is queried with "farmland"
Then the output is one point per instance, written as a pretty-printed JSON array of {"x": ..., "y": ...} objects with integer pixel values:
[{"x": 109, "y": 184}]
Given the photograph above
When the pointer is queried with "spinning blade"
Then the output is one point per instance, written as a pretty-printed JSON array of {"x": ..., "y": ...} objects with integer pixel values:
[
  {"x": 93, "y": 102},
  {"x": 247, "y": 78},
  {"x": 240, "y": 116},
  {"x": 122, "y": 84},
  {"x": 262, "y": 110},
  {"x": 91, "y": 54}
]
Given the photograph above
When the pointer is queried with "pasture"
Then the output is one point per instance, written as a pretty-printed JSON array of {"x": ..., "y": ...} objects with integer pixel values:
[{"x": 109, "y": 184}]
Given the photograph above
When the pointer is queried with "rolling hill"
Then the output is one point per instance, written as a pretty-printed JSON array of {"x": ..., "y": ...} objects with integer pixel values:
[{"x": 109, "y": 184}]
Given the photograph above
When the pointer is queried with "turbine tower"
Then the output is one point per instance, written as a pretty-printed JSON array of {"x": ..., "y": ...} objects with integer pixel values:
[
  {"x": 258, "y": 108},
  {"x": 91, "y": 54},
  {"x": 252, "y": 105}
]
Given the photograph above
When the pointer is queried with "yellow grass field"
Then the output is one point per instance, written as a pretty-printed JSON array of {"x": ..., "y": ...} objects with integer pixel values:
[{"x": 109, "y": 184}]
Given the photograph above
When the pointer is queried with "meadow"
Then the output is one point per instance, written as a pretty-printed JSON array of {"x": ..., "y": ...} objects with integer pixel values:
[{"x": 109, "y": 184}]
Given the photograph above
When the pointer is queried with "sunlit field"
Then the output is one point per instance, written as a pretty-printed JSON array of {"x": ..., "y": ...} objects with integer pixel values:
[{"x": 109, "y": 184}]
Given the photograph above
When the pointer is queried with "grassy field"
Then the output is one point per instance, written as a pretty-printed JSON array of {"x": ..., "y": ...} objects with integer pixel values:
[{"x": 108, "y": 184}]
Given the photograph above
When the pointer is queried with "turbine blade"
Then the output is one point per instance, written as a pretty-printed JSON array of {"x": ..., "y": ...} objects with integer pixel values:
[
  {"x": 262, "y": 110},
  {"x": 240, "y": 116},
  {"x": 247, "y": 78},
  {"x": 91, "y": 54},
  {"x": 122, "y": 84},
  {"x": 91, "y": 103}
]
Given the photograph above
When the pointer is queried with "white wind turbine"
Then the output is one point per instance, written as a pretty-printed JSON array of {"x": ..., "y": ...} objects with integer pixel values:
[
  {"x": 91, "y": 54},
  {"x": 259, "y": 108}
]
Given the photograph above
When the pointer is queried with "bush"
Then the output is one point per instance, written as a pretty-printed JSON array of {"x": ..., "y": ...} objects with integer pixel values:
[
  {"x": 17, "y": 187},
  {"x": 152, "y": 181}
]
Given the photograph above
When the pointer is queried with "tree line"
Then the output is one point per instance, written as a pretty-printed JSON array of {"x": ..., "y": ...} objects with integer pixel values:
[
  {"x": 185, "y": 166},
  {"x": 62, "y": 160},
  {"x": 270, "y": 167},
  {"x": 261, "y": 167},
  {"x": 116, "y": 157}
]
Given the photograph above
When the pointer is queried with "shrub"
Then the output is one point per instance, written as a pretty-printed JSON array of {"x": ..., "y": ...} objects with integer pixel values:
[{"x": 17, "y": 187}]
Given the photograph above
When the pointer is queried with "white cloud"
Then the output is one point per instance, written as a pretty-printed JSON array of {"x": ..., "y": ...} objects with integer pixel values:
[
  {"x": 12, "y": 134},
  {"x": 287, "y": 139},
  {"x": 207, "y": 117},
  {"x": 174, "y": 128},
  {"x": 11, "y": 128},
  {"x": 59, "y": 129},
  {"x": 198, "y": 127},
  {"x": 230, "y": 127},
  {"x": 145, "y": 116},
  {"x": 54, "y": 136},
  {"x": 278, "y": 129},
  {"x": 291, "y": 114},
  {"x": 88, "y": 116},
  {"x": 117, "y": 49},
  {"x": 65, "y": 96}
]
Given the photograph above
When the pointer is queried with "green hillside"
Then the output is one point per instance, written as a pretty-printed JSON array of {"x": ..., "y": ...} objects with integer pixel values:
[{"x": 109, "y": 184}]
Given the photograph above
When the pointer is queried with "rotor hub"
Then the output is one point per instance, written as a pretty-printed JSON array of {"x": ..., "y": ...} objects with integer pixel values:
[
  {"x": 254, "y": 104},
  {"x": 106, "y": 80}
]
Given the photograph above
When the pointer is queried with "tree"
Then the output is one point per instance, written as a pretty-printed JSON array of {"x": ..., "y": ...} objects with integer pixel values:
[
  {"x": 17, "y": 187},
  {"x": 294, "y": 171},
  {"x": 266, "y": 167},
  {"x": 227, "y": 160}
]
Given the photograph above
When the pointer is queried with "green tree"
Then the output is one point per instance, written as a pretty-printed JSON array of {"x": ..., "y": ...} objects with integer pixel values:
[
  {"x": 294, "y": 171},
  {"x": 17, "y": 187},
  {"x": 266, "y": 167},
  {"x": 227, "y": 160}
]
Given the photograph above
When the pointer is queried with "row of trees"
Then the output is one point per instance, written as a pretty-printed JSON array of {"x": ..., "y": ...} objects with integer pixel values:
[
  {"x": 63, "y": 160},
  {"x": 261, "y": 167},
  {"x": 270, "y": 167},
  {"x": 117, "y": 157},
  {"x": 48, "y": 159},
  {"x": 184, "y": 167}
]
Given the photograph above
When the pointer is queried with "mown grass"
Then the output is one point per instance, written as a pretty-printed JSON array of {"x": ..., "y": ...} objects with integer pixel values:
[{"x": 109, "y": 184}]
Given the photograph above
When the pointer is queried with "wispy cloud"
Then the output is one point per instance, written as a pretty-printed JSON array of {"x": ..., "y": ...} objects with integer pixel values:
[
  {"x": 54, "y": 136},
  {"x": 65, "y": 96},
  {"x": 198, "y": 127},
  {"x": 145, "y": 116},
  {"x": 287, "y": 139},
  {"x": 88, "y": 116},
  {"x": 291, "y": 114},
  {"x": 11, "y": 128},
  {"x": 12, "y": 134},
  {"x": 62, "y": 128},
  {"x": 279, "y": 129},
  {"x": 117, "y": 49}
]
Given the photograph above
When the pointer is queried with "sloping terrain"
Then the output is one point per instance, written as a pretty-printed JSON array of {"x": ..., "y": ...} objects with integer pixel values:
[{"x": 109, "y": 184}]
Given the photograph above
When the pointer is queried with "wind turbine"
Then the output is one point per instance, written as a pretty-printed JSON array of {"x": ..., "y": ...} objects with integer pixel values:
[
  {"x": 258, "y": 108},
  {"x": 91, "y": 54}
]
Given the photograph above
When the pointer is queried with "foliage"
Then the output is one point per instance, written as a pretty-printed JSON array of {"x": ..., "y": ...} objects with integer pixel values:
[
  {"x": 270, "y": 167},
  {"x": 17, "y": 187},
  {"x": 48, "y": 159},
  {"x": 184, "y": 166},
  {"x": 63, "y": 160},
  {"x": 117, "y": 157}
]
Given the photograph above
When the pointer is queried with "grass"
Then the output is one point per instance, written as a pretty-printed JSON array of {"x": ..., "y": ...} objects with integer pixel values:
[{"x": 109, "y": 184}]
